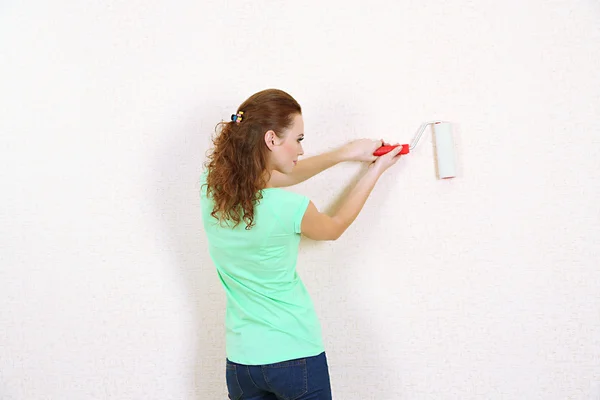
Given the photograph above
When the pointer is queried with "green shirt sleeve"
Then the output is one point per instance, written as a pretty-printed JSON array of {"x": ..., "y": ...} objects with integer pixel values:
[{"x": 300, "y": 209}]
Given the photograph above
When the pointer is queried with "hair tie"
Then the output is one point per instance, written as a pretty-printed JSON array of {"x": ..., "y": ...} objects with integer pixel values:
[{"x": 237, "y": 117}]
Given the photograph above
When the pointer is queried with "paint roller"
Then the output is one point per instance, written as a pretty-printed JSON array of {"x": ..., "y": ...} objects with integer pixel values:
[{"x": 444, "y": 147}]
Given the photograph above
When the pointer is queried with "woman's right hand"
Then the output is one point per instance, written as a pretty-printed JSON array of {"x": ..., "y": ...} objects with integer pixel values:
[{"x": 382, "y": 163}]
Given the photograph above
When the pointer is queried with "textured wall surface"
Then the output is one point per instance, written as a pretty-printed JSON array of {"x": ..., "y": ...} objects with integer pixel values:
[{"x": 482, "y": 287}]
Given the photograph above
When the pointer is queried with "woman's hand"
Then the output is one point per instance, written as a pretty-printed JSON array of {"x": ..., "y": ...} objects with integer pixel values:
[
  {"x": 360, "y": 150},
  {"x": 385, "y": 161}
]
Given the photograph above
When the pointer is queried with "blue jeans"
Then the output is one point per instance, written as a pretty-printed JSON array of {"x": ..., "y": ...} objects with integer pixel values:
[{"x": 300, "y": 379}]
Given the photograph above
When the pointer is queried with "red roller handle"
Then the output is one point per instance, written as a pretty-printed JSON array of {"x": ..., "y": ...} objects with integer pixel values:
[{"x": 386, "y": 149}]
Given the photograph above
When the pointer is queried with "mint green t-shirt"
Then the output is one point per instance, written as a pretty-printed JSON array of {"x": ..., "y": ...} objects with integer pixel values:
[{"x": 270, "y": 316}]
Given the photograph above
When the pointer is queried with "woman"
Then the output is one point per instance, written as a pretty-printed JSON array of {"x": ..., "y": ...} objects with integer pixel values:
[{"x": 273, "y": 336}]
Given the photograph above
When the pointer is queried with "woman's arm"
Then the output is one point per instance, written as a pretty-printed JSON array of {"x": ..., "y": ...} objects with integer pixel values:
[
  {"x": 357, "y": 150},
  {"x": 307, "y": 168},
  {"x": 321, "y": 226}
]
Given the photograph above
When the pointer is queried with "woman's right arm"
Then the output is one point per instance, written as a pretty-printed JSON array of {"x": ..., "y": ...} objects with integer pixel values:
[{"x": 320, "y": 226}]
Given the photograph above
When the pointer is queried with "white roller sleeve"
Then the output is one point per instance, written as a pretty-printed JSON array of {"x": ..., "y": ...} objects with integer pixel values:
[{"x": 444, "y": 145}]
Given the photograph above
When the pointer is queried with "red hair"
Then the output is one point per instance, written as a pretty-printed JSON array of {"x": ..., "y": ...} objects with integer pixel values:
[{"x": 237, "y": 164}]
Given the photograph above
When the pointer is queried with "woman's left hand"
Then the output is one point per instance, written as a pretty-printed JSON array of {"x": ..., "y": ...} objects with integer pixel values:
[{"x": 360, "y": 150}]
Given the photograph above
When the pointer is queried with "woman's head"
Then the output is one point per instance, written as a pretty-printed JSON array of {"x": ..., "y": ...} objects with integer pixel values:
[
  {"x": 267, "y": 137},
  {"x": 285, "y": 148}
]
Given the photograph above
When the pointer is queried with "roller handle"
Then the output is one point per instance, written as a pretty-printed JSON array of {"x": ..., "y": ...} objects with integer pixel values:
[{"x": 386, "y": 149}]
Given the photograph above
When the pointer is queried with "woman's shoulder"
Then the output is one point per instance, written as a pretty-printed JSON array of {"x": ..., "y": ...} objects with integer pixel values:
[
  {"x": 284, "y": 202},
  {"x": 283, "y": 194}
]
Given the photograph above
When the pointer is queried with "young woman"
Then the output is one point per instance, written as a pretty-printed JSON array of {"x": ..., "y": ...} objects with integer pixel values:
[{"x": 273, "y": 336}]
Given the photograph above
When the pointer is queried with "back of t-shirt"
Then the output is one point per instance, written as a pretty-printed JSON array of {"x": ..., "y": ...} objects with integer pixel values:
[{"x": 270, "y": 316}]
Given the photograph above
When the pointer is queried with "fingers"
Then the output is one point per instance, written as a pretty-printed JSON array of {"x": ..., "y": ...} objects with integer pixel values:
[
  {"x": 394, "y": 151},
  {"x": 397, "y": 155},
  {"x": 397, "y": 149},
  {"x": 394, "y": 154}
]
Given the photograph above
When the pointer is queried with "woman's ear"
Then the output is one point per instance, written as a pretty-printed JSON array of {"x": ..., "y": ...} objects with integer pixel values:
[{"x": 271, "y": 139}]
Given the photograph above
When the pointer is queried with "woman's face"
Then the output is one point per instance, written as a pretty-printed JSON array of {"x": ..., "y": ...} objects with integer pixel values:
[{"x": 285, "y": 151}]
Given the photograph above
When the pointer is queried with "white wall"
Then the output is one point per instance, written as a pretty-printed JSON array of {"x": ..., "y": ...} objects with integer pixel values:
[{"x": 483, "y": 287}]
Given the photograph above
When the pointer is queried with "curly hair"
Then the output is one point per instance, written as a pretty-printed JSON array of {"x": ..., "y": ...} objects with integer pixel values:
[{"x": 237, "y": 164}]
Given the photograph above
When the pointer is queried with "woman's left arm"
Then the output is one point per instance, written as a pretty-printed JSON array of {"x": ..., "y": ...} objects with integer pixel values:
[{"x": 357, "y": 150}]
